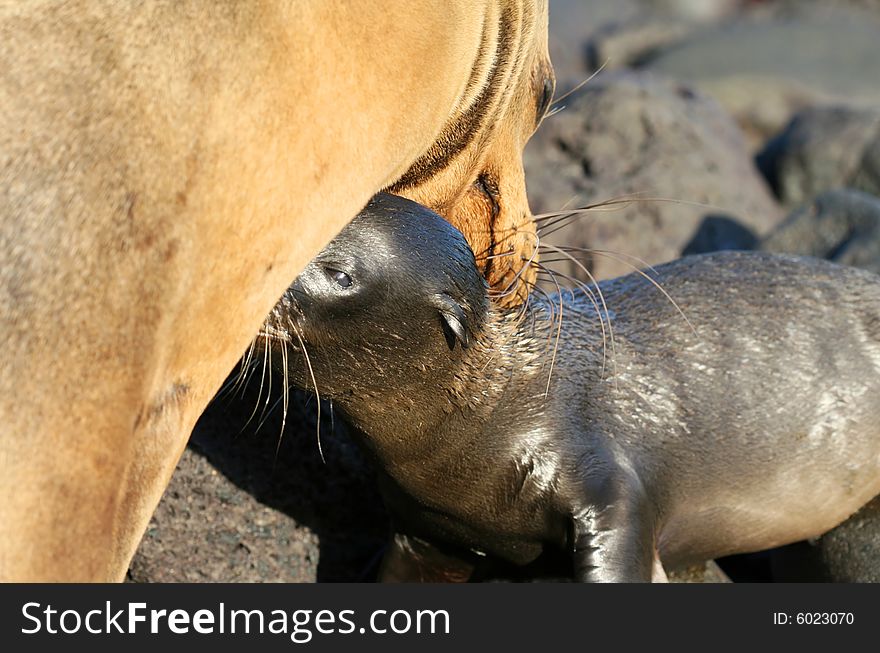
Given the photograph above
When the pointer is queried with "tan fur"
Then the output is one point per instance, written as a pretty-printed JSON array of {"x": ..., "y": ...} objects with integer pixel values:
[
  {"x": 503, "y": 223},
  {"x": 166, "y": 169}
]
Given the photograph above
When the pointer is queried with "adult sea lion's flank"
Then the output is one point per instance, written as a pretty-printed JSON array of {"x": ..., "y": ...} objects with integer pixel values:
[{"x": 166, "y": 168}]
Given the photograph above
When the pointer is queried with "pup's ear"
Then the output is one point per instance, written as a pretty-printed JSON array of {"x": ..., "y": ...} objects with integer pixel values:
[{"x": 453, "y": 320}]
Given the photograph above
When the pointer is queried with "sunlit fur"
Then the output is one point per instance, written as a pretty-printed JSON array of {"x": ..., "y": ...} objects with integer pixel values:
[{"x": 167, "y": 168}]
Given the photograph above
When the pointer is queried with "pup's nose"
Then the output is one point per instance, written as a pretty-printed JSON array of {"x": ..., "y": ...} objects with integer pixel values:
[{"x": 294, "y": 300}]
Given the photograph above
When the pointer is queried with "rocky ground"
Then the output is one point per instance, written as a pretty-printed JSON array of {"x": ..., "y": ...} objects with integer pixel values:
[{"x": 727, "y": 123}]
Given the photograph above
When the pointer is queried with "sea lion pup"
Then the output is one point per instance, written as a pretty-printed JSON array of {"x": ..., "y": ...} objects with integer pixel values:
[{"x": 740, "y": 418}]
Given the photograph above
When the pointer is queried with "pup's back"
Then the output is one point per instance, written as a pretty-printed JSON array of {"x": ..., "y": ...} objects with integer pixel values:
[{"x": 759, "y": 409}]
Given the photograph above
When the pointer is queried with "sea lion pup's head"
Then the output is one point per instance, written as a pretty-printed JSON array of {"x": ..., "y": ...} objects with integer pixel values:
[{"x": 386, "y": 311}]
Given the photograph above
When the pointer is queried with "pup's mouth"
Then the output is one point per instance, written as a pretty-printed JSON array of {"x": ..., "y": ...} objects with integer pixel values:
[
  {"x": 272, "y": 334},
  {"x": 285, "y": 323}
]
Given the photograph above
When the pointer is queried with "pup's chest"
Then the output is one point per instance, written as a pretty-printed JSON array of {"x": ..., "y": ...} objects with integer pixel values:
[{"x": 485, "y": 517}]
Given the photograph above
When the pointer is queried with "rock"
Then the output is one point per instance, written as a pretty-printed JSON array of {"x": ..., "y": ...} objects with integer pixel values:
[
  {"x": 708, "y": 572},
  {"x": 586, "y": 34},
  {"x": 670, "y": 150},
  {"x": 622, "y": 44},
  {"x": 867, "y": 176},
  {"x": 631, "y": 38},
  {"x": 841, "y": 225},
  {"x": 824, "y": 148},
  {"x": 717, "y": 233},
  {"x": 695, "y": 10},
  {"x": 571, "y": 24},
  {"x": 244, "y": 507},
  {"x": 849, "y": 553},
  {"x": 207, "y": 529},
  {"x": 764, "y": 71}
]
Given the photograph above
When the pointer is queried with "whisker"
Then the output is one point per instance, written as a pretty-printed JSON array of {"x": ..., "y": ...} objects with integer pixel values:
[
  {"x": 332, "y": 421},
  {"x": 601, "y": 299},
  {"x": 262, "y": 383},
  {"x": 512, "y": 286},
  {"x": 564, "y": 217},
  {"x": 266, "y": 415},
  {"x": 611, "y": 201},
  {"x": 622, "y": 259},
  {"x": 552, "y": 222},
  {"x": 247, "y": 362},
  {"x": 522, "y": 312},
  {"x": 545, "y": 221},
  {"x": 569, "y": 201},
  {"x": 269, "y": 385},
  {"x": 317, "y": 393},
  {"x": 553, "y": 112},
  {"x": 252, "y": 369},
  {"x": 620, "y": 255},
  {"x": 501, "y": 255},
  {"x": 285, "y": 395},
  {"x": 505, "y": 234},
  {"x": 232, "y": 385},
  {"x": 558, "y": 334},
  {"x": 551, "y": 307},
  {"x": 582, "y": 84},
  {"x": 591, "y": 297}
]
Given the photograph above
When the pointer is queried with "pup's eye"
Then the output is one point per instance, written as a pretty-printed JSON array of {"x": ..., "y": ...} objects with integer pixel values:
[{"x": 341, "y": 278}]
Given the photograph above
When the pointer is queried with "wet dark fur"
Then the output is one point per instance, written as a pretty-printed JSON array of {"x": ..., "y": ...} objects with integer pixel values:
[{"x": 757, "y": 427}]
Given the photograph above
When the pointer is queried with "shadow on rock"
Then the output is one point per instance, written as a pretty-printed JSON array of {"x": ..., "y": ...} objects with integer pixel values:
[
  {"x": 718, "y": 233},
  {"x": 248, "y": 504}
]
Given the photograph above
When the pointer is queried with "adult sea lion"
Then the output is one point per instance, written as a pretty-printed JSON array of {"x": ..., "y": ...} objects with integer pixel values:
[
  {"x": 740, "y": 417},
  {"x": 166, "y": 168}
]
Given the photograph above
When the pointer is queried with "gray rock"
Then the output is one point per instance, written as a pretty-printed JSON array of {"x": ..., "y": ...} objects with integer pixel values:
[
  {"x": 718, "y": 233},
  {"x": 572, "y": 22},
  {"x": 632, "y": 38},
  {"x": 245, "y": 506},
  {"x": 674, "y": 153},
  {"x": 708, "y": 572},
  {"x": 764, "y": 71},
  {"x": 824, "y": 148},
  {"x": 623, "y": 44},
  {"x": 586, "y": 34},
  {"x": 849, "y": 553},
  {"x": 867, "y": 175},
  {"x": 695, "y": 10},
  {"x": 840, "y": 225}
]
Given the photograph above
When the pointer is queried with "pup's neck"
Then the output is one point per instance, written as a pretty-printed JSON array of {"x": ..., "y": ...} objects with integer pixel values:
[{"x": 445, "y": 407}]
